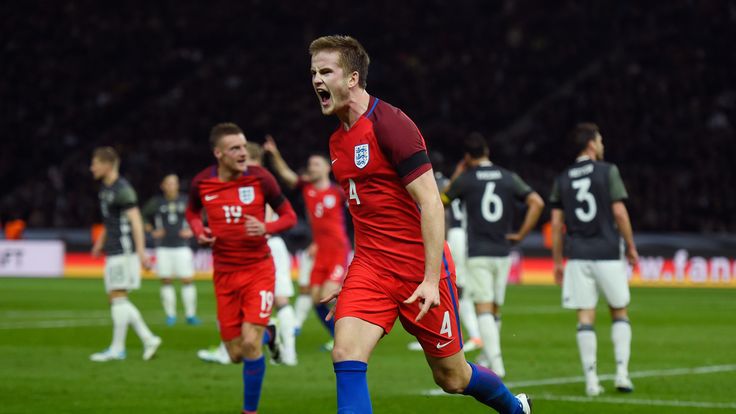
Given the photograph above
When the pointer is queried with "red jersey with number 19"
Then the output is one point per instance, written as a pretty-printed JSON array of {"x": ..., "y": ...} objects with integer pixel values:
[
  {"x": 227, "y": 204},
  {"x": 373, "y": 162}
]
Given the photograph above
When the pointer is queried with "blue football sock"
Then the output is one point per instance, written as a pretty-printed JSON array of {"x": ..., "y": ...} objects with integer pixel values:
[
  {"x": 352, "y": 388},
  {"x": 322, "y": 311},
  {"x": 266, "y": 337},
  {"x": 253, "y": 372},
  {"x": 487, "y": 388}
]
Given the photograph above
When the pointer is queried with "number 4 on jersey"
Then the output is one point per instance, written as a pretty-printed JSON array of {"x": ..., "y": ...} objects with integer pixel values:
[{"x": 353, "y": 193}]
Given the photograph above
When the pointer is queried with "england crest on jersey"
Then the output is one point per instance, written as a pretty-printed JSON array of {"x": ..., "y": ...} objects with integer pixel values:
[
  {"x": 362, "y": 155},
  {"x": 247, "y": 194}
]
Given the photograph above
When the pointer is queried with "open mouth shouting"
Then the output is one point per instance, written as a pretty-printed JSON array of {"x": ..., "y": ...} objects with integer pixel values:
[{"x": 325, "y": 98}]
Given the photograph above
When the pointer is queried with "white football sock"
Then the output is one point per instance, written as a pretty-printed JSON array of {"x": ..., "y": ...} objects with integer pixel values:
[
  {"x": 118, "y": 311},
  {"x": 498, "y": 323},
  {"x": 621, "y": 337},
  {"x": 469, "y": 318},
  {"x": 287, "y": 325},
  {"x": 168, "y": 300},
  {"x": 189, "y": 299},
  {"x": 491, "y": 342},
  {"x": 138, "y": 324},
  {"x": 588, "y": 347},
  {"x": 302, "y": 306}
]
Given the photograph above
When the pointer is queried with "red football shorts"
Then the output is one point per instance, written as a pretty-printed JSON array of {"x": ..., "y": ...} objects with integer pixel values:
[
  {"x": 378, "y": 299},
  {"x": 330, "y": 265},
  {"x": 244, "y": 296}
]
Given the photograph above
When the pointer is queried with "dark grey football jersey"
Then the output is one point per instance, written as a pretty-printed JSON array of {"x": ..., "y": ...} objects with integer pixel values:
[
  {"x": 585, "y": 192},
  {"x": 489, "y": 192},
  {"x": 115, "y": 200},
  {"x": 169, "y": 216}
]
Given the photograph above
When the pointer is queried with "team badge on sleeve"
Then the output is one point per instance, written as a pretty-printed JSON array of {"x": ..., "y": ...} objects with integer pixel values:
[
  {"x": 247, "y": 194},
  {"x": 362, "y": 155}
]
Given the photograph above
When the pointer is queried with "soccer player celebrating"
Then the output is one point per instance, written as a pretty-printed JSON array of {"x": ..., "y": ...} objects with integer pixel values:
[
  {"x": 123, "y": 241},
  {"x": 402, "y": 267},
  {"x": 165, "y": 221},
  {"x": 325, "y": 203},
  {"x": 588, "y": 198},
  {"x": 489, "y": 193},
  {"x": 234, "y": 197}
]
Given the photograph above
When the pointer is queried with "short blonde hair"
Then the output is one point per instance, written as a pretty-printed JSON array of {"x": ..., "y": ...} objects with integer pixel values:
[{"x": 353, "y": 57}]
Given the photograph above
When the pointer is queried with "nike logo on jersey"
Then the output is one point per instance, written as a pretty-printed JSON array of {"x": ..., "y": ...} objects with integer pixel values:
[
  {"x": 210, "y": 197},
  {"x": 333, "y": 161},
  {"x": 440, "y": 345},
  {"x": 264, "y": 315}
]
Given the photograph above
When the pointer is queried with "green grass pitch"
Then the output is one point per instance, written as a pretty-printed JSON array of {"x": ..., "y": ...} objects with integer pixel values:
[{"x": 683, "y": 358}]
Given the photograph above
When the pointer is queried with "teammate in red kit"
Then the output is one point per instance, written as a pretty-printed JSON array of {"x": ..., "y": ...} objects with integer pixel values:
[
  {"x": 402, "y": 267},
  {"x": 234, "y": 197},
  {"x": 325, "y": 204}
]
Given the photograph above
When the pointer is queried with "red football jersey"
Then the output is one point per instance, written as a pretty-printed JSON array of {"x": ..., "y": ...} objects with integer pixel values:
[
  {"x": 326, "y": 215},
  {"x": 373, "y": 162},
  {"x": 226, "y": 205}
]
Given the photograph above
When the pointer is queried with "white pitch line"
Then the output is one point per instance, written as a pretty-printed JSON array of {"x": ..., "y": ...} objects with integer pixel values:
[
  {"x": 638, "y": 374},
  {"x": 629, "y": 401},
  {"x": 54, "y": 324},
  {"x": 52, "y": 314}
]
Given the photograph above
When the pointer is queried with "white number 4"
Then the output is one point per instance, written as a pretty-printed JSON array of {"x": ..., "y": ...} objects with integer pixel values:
[
  {"x": 446, "y": 325},
  {"x": 353, "y": 193}
]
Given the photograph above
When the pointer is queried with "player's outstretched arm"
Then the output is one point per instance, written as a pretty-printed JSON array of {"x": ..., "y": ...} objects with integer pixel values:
[
  {"x": 558, "y": 223},
  {"x": 139, "y": 238},
  {"x": 424, "y": 191},
  {"x": 281, "y": 168},
  {"x": 621, "y": 215},
  {"x": 535, "y": 205}
]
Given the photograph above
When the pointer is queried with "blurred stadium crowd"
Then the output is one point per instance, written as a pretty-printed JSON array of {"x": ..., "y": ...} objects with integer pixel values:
[{"x": 151, "y": 78}]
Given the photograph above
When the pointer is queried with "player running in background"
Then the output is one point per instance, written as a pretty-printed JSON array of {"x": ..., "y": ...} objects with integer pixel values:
[
  {"x": 234, "y": 197},
  {"x": 402, "y": 267},
  {"x": 489, "y": 193},
  {"x": 123, "y": 241},
  {"x": 325, "y": 203},
  {"x": 164, "y": 215},
  {"x": 588, "y": 199}
]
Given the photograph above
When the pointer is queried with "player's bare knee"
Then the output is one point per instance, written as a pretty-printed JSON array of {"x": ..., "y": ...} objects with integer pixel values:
[
  {"x": 281, "y": 301},
  {"x": 450, "y": 381},
  {"x": 166, "y": 281},
  {"x": 346, "y": 353},
  {"x": 251, "y": 347}
]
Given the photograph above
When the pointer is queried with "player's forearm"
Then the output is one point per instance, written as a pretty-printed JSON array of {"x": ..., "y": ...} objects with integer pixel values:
[
  {"x": 286, "y": 220},
  {"x": 557, "y": 223},
  {"x": 136, "y": 225},
  {"x": 621, "y": 215},
  {"x": 101, "y": 239},
  {"x": 535, "y": 204},
  {"x": 433, "y": 229},
  {"x": 194, "y": 218},
  {"x": 287, "y": 175}
]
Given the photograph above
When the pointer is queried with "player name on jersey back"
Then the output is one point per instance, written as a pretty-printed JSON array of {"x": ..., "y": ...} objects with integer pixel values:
[{"x": 585, "y": 192}]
